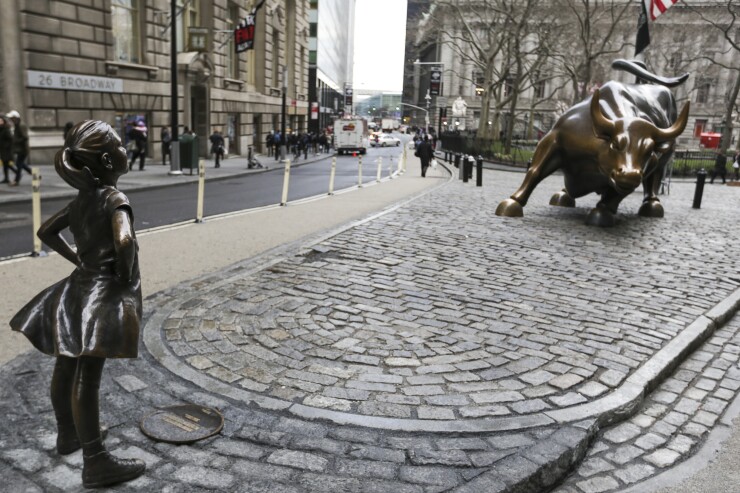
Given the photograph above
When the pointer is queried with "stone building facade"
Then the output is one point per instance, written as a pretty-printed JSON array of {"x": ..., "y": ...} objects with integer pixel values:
[
  {"x": 70, "y": 60},
  {"x": 679, "y": 41}
]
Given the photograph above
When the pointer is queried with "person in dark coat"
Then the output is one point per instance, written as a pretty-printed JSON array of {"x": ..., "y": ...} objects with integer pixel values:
[
  {"x": 166, "y": 145},
  {"x": 139, "y": 134},
  {"x": 425, "y": 153},
  {"x": 720, "y": 167},
  {"x": 217, "y": 146},
  {"x": 95, "y": 313},
  {"x": 6, "y": 148},
  {"x": 21, "y": 149}
]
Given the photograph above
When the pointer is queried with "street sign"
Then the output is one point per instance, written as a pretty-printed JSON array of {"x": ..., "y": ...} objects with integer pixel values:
[
  {"x": 244, "y": 34},
  {"x": 182, "y": 424},
  {"x": 435, "y": 81}
]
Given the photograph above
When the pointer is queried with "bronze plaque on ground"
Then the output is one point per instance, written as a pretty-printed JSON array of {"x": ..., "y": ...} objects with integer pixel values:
[{"x": 182, "y": 424}]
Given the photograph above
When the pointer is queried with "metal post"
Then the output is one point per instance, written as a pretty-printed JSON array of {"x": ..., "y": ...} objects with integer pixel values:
[
  {"x": 464, "y": 168},
  {"x": 36, "y": 212},
  {"x": 479, "y": 172},
  {"x": 402, "y": 167},
  {"x": 701, "y": 177},
  {"x": 390, "y": 168},
  {"x": 174, "y": 144},
  {"x": 460, "y": 161},
  {"x": 286, "y": 182},
  {"x": 201, "y": 190},
  {"x": 380, "y": 167},
  {"x": 359, "y": 172},
  {"x": 331, "y": 175}
]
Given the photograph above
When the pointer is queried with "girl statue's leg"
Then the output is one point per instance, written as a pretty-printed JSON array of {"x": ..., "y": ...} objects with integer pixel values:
[
  {"x": 99, "y": 467},
  {"x": 62, "y": 381}
]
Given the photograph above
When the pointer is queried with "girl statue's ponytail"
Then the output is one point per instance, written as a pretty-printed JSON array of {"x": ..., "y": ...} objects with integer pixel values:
[{"x": 81, "y": 179}]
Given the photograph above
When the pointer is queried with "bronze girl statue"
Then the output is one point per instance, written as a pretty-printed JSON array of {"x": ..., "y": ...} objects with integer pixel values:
[{"x": 95, "y": 313}]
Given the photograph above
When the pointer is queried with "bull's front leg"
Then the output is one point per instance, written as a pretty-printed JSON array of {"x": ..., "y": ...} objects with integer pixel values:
[
  {"x": 544, "y": 162},
  {"x": 603, "y": 214},
  {"x": 651, "y": 206}
]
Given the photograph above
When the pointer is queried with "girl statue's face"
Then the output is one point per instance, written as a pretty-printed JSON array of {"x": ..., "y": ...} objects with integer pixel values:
[{"x": 118, "y": 156}]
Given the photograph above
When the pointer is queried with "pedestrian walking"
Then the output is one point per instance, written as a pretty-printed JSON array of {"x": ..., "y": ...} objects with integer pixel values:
[
  {"x": 276, "y": 141},
  {"x": 217, "y": 146},
  {"x": 6, "y": 148},
  {"x": 166, "y": 145},
  {"x": 139, "y": 134},
  {"x": 21, "y": 148},
  {"x": 425, "y": 153},
  {"x": 95, "y": 313},
  {"x": 736, "y": 165},
  {"x": 268, "y": 143},
  {"x": 720, "y": 167}
]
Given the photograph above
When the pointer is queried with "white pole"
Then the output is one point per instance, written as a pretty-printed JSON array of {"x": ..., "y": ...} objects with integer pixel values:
[
  {"x": 36, "y": 211},
  {"x": 286, "y": 182},
  {"x": 390, "y": 168},
  {"x": 201, "y": 189},
  {"x": 380, "y": 167},
  {"x": 403, "y": 169},
  {"x": 359, "y": 172},
  {"x": 331, "y": 176}
]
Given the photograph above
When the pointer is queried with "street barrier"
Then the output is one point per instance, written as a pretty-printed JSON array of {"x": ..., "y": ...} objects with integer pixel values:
[
  {"x": 479, "y": 172},
  {"x": 331, "y": 175},
  {"x": 286, "y": 182},
  {"x": 701, "y": 177},
  {"x": 36, "y": 211},
  {"x": 380, "y": 168},
  {"x": 201, "y": 190}
]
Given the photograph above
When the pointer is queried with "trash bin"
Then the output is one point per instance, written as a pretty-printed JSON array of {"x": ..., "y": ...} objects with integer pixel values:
[{"x": 189, "y": 152}]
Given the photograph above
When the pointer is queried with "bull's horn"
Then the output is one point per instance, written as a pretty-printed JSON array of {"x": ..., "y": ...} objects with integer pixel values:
[
  {"x": 670, "y": 133},
  {"x": 602, "y": 125}
]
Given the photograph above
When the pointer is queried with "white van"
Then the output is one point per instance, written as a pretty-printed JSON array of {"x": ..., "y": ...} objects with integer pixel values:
[{"x": 351, "y": 135}]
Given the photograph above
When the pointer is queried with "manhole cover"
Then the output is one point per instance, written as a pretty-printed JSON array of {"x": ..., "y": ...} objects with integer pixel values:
[{"x": 182, "y": 424}]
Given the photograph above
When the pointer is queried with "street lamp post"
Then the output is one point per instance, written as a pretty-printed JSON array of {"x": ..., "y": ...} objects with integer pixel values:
[
  {"x": 174, "y": 143},
  {"x": 283, "y": 137},
  {"x": 426, "y": 116}
]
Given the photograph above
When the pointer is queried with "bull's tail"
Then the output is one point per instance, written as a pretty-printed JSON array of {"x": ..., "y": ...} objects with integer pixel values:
[{"x": 636, "y": 67}]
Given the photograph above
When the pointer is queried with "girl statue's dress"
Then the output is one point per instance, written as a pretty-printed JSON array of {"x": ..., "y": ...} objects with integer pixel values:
[{"x": 91, "y": 313}]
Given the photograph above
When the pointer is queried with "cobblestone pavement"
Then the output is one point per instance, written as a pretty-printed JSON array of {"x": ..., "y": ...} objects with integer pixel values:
[{"x": 434, "y": 348}]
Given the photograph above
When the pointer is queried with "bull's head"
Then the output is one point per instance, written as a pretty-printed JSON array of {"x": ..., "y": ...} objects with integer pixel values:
[{"x": 632, "y": 145}]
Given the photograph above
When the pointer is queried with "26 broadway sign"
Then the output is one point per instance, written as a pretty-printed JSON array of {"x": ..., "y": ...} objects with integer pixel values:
[{"x": 73, "y": 82}]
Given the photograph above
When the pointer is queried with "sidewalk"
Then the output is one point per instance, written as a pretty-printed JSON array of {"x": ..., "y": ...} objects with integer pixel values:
[
  {"x": 431, "y": 347},
  {"x": 155, "y": 175}
]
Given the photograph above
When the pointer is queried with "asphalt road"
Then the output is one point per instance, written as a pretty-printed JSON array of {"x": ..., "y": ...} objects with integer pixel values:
[{"x": 164, "y": 206}]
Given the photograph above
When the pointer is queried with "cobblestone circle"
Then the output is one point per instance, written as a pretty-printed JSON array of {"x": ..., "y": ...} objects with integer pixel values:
[{"x": 442, "y": 311}]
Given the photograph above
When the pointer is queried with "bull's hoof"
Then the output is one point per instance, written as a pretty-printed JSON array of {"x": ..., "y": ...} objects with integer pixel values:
[
  {"x": 651, "y": 208},
  {"x": 601, "y": 217},
  {"x": 562, "y": 199},
  {"x": 510, "y": 208}
]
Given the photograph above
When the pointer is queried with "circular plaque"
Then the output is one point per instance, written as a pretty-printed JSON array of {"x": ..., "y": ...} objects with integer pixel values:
[{"x": 182, "y": 424}]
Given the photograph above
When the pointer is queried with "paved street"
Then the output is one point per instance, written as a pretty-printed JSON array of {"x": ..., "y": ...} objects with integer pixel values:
[{"x": 434, "y": 347}]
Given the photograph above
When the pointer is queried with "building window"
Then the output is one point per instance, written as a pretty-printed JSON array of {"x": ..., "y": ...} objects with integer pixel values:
[
  {"x": 702, "y": 91},
  {"x": 508, "y": 85},
  {"x": 190, "y": 17},
  {"x": 126, "y": 36},
  {"x": 276, "y": 58},
  {"x": 539, "y": 88},
  {"x": 232, "y": 57},
  {"x": 699, "y": 126}
]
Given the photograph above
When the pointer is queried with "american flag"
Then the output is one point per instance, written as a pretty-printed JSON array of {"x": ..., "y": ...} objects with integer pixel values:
[{"x": 656, "y": 7}]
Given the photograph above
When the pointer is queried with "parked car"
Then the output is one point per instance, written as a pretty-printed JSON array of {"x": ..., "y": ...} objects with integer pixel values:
[{"x": 386, "y": 140}]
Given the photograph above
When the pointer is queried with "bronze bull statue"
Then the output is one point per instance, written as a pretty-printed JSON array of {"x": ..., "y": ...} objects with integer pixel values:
[{"x": 621, "y": 136}]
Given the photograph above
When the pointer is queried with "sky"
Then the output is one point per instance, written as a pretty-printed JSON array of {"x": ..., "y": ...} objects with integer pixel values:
[{"x": 380, "y": 33}]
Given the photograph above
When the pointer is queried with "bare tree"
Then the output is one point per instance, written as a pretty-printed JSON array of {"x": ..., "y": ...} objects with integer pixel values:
[
  {"x": 502, "y": 41},
  {"x": 597, "y": 26},
  {"x": 725, "y": 20}
]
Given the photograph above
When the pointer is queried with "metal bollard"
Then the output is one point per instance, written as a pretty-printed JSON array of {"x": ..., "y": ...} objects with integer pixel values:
[
  {"x": 36, "y": 212},
  {"x": 359, "y": 172},
  {"x": 331, "y": 175},
  {"x": 457, "y": 160},
  {"x": 701, "y": 177},
  {"x": 390, "y": 168},
  {"x": 479, "y": 172},
  {"x": 286, "y": 182},
  {"x": 201, "y": 190},
  {"x": 464, "y": 168},
  {"x": 461, "y": 167},
  {"x": 380, "y": 167}
]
